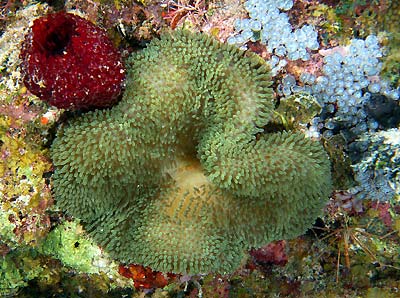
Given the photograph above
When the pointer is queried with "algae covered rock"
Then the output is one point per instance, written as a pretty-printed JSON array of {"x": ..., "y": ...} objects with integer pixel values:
[{"x": 179, "y": 175}]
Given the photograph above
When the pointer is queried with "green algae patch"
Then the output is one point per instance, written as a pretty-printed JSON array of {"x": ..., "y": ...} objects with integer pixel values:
[
  {"x": 17, "y": 268},
  {"x": 65, "y": 261},
  {"x": 10, "y": 277},
  {"x": 7, "y": 229},
  {"x": 69, "y": 244}
]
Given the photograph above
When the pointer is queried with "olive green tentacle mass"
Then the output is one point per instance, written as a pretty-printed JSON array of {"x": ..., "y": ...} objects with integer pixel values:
[{"x": 179, "y": 175}]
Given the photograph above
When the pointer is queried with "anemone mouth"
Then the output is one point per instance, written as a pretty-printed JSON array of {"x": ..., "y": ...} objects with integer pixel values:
[{"x": 54, "y": 35}]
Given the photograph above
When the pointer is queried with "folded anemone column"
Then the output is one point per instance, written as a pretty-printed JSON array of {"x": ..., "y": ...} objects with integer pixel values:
[{"x": 179, "y": 175}]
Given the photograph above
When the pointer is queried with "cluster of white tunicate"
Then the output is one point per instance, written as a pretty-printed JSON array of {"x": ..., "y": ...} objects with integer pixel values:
[
  {"x": 271, "y": 26},
  {"x": 350, "y": 77},
  {"x": 346, "y": 87}
]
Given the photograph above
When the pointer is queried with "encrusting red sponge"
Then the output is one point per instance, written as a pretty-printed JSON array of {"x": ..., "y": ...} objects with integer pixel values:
[{"x": 70, "y": 63}]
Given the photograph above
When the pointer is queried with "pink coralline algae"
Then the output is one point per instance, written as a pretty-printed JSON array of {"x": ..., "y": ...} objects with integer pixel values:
[{"x": 70, "y": 63}]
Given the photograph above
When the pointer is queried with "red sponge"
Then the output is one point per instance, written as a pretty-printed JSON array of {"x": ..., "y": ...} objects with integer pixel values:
[{"x": 71, "y": 63}]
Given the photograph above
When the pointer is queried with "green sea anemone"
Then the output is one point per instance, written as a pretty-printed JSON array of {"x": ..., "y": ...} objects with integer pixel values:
[{"x": 179, "y": 175}]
